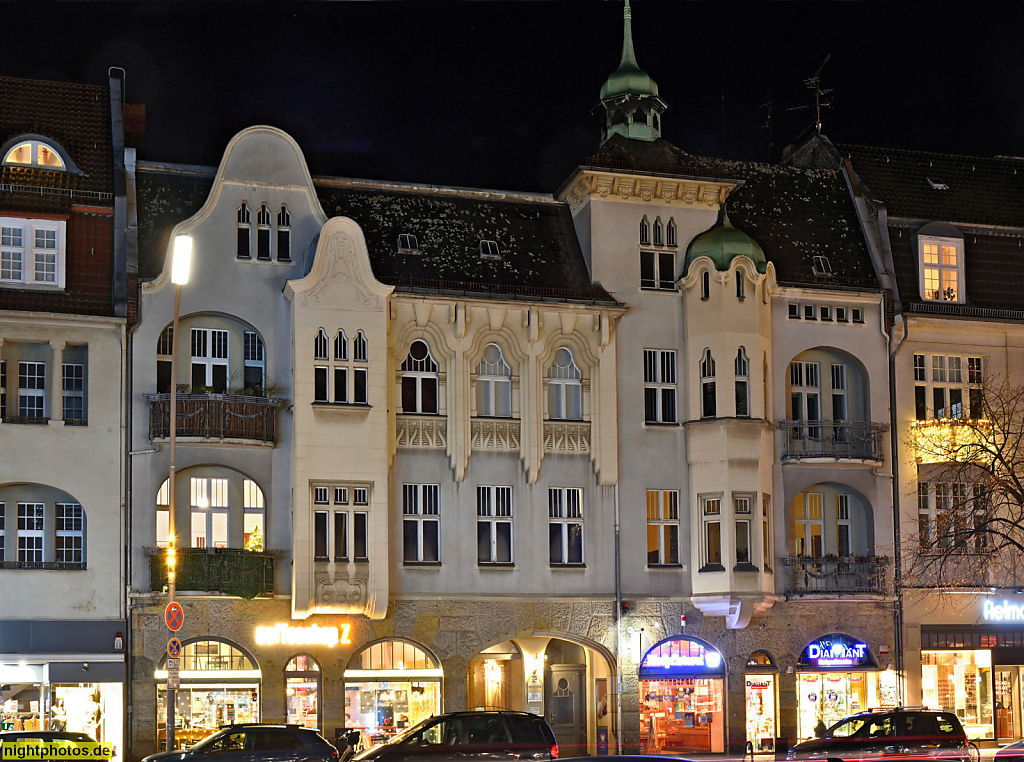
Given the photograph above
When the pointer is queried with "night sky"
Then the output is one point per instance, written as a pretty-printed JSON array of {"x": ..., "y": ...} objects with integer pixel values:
[{"x": 495, "y": 94}]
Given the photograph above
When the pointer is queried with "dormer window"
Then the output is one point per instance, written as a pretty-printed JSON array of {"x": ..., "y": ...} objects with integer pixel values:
[
  {"x": 822, "y": 266},
  {"x": 489, "y": 250},
  {"x": 407, "y": 244},
  {"x": 941, "y": 270},
  {"x": 35, "y": 153}
]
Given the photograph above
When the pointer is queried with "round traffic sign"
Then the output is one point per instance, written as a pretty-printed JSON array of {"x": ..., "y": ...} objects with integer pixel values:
[
  {"x": 174, "y": 648},
  {"x": 174, "y": 615}
]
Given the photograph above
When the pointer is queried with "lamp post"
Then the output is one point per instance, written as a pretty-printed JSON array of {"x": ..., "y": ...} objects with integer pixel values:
[{"x": 180, "y": 266}]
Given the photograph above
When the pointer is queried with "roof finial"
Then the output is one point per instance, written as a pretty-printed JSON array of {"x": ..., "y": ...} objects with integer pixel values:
[{"x": 627, "y": 36}]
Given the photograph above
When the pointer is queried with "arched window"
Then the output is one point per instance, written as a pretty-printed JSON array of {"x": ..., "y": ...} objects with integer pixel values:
[
  {"x": 419, "y": 380},
  {"x": 671, "y": 230},
  {"x": 708, "y": 407},
  {"x": 742, "y": 384},
  {"x": 36, "y": 153},
  {"x": 341, "y": 345},
  {"x": 645, "y": 231},
  {"x": 284, "y": 235},
  {"x": 320, "y": 345},
  {"x": 244, "y": 232},
  {"x": 302, "y": 683},
  {"x": 263, "y": 233},
  {"x": 212, "y": 511},
  {"x": 254, "y": 371},
  {"x": 740, "y": 285},
  {"x": 320, "y": 372},
  {"x": 705, "y": 285},
  {"x": 659, "y": 237},
  {"x": 494, "y": 384},
  {"x": 359, "y": 348},
  {"x": 565, "y": 387}
]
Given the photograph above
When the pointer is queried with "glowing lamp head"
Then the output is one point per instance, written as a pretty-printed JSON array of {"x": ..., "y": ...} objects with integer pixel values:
[{"x": 181, "y": 261}]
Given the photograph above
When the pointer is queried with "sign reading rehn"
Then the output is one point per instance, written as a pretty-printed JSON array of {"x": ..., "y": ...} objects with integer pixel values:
[{"x": 1002, "y": 612}]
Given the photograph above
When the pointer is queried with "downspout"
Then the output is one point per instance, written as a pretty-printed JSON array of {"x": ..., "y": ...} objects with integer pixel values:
[{"x": 618, "y": 627}]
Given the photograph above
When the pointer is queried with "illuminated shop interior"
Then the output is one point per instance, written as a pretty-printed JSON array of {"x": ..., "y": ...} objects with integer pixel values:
[{"x": 960, "y": 682}]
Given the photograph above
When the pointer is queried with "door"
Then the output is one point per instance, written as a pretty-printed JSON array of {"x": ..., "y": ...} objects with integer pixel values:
[{"x": 565, "y": 700}]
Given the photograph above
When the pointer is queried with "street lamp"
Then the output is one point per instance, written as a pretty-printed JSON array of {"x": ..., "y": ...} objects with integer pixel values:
[{"x": 181, "y": 263}]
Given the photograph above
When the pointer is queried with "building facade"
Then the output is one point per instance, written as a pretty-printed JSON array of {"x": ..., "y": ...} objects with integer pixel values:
[{"x": 64, "y": 310}]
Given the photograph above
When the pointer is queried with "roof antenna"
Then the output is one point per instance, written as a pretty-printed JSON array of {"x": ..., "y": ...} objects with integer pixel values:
[
  {"x": 814, "y": 83},
  {"x": 768, "y": 124}
]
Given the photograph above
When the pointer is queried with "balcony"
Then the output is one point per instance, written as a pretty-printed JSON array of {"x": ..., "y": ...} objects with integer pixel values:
[
  {"x": 567, "y": 437},
  {"x": 230, "y": 571},
  {"x": 495, "y": 434},
  {"x": 836, "y": 440},
  {"x": 220, "y": 417},
  {"x": 422, "y": 431},
  {"x": 830, "y": 576}
]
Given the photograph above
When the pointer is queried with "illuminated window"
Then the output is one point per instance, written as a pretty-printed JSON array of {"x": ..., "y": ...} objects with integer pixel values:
[
  {"x": 944, "y": 390},
  {"x": 35, "y": 153},
  {"x": 32, "y": 252},
  {"x": 941, "y": 270},
  {"x": 254, "y": 511},
  {"x": 662, "y": 527}
]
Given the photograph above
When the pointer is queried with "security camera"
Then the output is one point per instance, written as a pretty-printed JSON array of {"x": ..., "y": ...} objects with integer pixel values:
[{"x": 85, "y": 667}]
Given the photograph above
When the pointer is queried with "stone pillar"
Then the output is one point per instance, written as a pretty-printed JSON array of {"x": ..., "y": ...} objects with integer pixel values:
[
  {"x": 56, "y": 401},
  {"x": 787, "y": 707}
]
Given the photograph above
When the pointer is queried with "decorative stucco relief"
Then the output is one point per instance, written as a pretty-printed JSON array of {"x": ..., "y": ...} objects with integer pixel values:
[{"x": 342, "y": 283}]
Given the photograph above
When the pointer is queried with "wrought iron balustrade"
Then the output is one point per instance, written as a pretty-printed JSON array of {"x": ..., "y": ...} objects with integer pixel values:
[
  {"x": 854, "y": 440},
  {"x": 828, "y": 575},
  {"x": 231, "y": 571},
  {"x": 214, "y": 416}
]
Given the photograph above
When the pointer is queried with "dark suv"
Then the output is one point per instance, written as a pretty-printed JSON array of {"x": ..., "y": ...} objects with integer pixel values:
[
  {"x": 902, "y": 732},
  {"x": 500, "y": 736},
  {"x": 255, "y": 743}
]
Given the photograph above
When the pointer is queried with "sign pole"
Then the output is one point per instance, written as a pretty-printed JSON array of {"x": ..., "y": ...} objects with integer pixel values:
[{"x": 171, "y": 509}]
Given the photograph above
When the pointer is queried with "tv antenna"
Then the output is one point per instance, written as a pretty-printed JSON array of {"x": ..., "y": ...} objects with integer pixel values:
[
  {"x": 814, "y": 83},
  {"x": 768, "y": 123}
]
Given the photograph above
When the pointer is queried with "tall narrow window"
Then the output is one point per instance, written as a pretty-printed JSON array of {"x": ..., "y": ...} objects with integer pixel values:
[
  {"x": 163, "y": 523},
  {"x": 421, "y": 523},
  {"x": 565, "y": 387},
  {"x": 209, "y": 502},
  {"x": 671, "y": 231},
  {"x": 320, "y": 536},
  {"x": 767, "y": 555},
  {"x": 320, "y": 372},
  {"x": 645, "y": 231},
  {"x": 359, "y": 372},
  {"x": 30, "y": 533},
  {"x": 809, "y": 525},
  {"x": 255, "y": 364},
  {"x": 565, "y": 525},
  {"x": 3, "y": 389},
  {"x": 31, "y": 389},
  {"x": 660, "y": 386},
  {"x": 662, "y": 527},
  {"x": 742, "y": 368},
  {"x": 708, "y": 390},
  {"x": 163, "y": 360},
  {"x": 253, "y": 513},
  {"x": 741, "y": 291},
  {"x": 419, "y": 380},
  {"x": 842, "y": 525},
  {"x": 494, "y": 525},
  {"x": 70, "y": 535},
  {"x": 659, "y": 237},
  {"x": 210, "y": 360},
  {"x": 263, "y": 233},
  {"x": 493, "y": 384},
  {"x": 805, "y": 398},
  {"x": 924, "y": 535},
  {"x": 284, "y": 235},
  {"x": 244, "y": 232},
  {"x": 3, "y": 529},
  {"x": 74, "y": 393},
  {"x": 742, "y": 507},
  {"x": 341, "y": 346},
  {"x": 711, "y": 545},
  {"x": 705, "y": 285},
  {"x": 359, "y": 348}
]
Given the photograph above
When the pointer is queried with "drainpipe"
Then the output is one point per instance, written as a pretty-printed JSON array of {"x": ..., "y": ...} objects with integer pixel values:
[
  {"x": 897, "y": 559},
  {"x": 618, "y": 628}
]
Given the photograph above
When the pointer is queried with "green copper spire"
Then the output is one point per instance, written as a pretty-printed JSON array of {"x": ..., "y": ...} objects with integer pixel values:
[
  {"x": 629, "y": 96},
  {"x": 723, "y": 243}
]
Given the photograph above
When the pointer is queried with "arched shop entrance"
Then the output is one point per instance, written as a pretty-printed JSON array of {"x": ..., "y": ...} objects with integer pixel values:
[
  {"x": 837, "y": 676},
  {"x": 761, "y": 699},
  {"x": 391, "y": 685},
  {"x": 568, "y": 683},
  {"x": 302, "y": 690},
  {"x": 682, "y": 693},
  {"x": 220, "y": 684}
]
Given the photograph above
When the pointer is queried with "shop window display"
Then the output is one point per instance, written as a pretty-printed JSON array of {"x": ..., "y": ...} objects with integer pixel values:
[
  {"x": 302, "y": 691},
  {"x": 960, "y": 682},
  {"x": 95, "y": 709}
]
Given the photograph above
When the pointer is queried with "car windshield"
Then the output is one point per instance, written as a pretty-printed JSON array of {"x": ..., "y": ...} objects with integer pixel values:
[
  {"x": 209, "y": 740},
  {"x": 405, "y": 735},
  {"x": 846, "y": 728}
]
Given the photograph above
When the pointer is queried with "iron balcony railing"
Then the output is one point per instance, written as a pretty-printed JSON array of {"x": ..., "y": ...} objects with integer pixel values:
[
  {"x": 47, "y": 565},
  {"x": 231, "y": 571},
  {"x": 829, "y": 575},
  {"x": 214, "y": 416},
  {"x": 854, "y": 440}
]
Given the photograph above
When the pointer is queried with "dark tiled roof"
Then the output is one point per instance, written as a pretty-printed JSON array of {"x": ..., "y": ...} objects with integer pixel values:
[
  {"x": 794, "y": 213},
  {"x": 166, "y": 196},
  {"x": 981, "y": 191}
]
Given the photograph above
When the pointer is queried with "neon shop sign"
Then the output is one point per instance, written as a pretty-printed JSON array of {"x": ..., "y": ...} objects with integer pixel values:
[
  {"x": 709, "y": 659},
  {"x": 1002, "y": 612},
  {"x": 837, "y": 651}
]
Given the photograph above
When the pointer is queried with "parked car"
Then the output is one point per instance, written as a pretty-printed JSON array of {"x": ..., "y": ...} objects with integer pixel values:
[
  {"x": 256, "y": 743},
  {"x": 501, "y": 736},
  {"x": 1013, "y": 752},
  {"x": 890, "y": 733},
  {"x": 45, "y": 736}
]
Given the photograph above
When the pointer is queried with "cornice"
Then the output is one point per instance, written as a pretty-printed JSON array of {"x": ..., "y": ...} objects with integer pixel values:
[{"x": 675, "y": 191}]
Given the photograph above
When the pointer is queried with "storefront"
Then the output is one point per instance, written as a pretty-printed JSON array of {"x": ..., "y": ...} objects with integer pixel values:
[
  {"x": 63, "y": 676},
  {"x": 390, "y": 685},
  {"x": 682, "y": 690},
  {"x": 220, "y": 684},
  {"x": 302, "y": 691},
  {"x": 837, "y": 676},
  {"x": 761, "y": 693}
]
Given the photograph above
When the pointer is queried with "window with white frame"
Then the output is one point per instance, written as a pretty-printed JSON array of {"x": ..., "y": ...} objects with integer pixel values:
[
  {"x": 809, "y": 525},
  {"x": 3, "y": 389},
  {"x": 565, "y": 387},
  {"x": 671, "y": 239},
  {"x": 493, "y": 384},
  {"x": 30, "y": 532},
  {"x": 32, "y": 252},
  {"x": 708, "y": 387},
  {"x": 163, "y": 518},
  {"x": 3, "y": 530},
  {"x": 645, "y": 231},
  {"x": 711, "y": 532},
  {"x": 254, "y": 370},
  {"x": 284, "y": 235},
  {"x": 70, "y": 538},
  {"x": 421, "y": 523},
  {"x": 943, "y": 390},
  {"x": 662, "y": 527},
  {"x": 493, "y": 524},
  {"x": 565, "y": 525},
  {"x": 805, "y": 398},
  {"x": 419, "y": 380},
  {"x": 660, "y": 386},
  {"x": 37, "y": 153},
  {"x": 253, "y": 517},
  {"x": 263, "y": 233},
  {"x": 164, "y": 347},
  {"x": 742, "y": 370},
  {"x": 349, "y": 538},
  {"x": 658, "y": 270},
  {"x": 843, "y": 525},
  {"x": 32, "y": 390},
  {"x": 659, "y": 232},
  {"x": 743, "y": 508},
  {"x": 767, "y": 553},
  {"x": 210, "y": 361},
  {"x": 941, "y": 269},
  {"x": 346, "y": 374},
  {"x": 952, "y": 516},
  {"x": 210, "y": 508},
  {"x": 73, "y": 383},
  {"x": 244, "y": 241}
]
